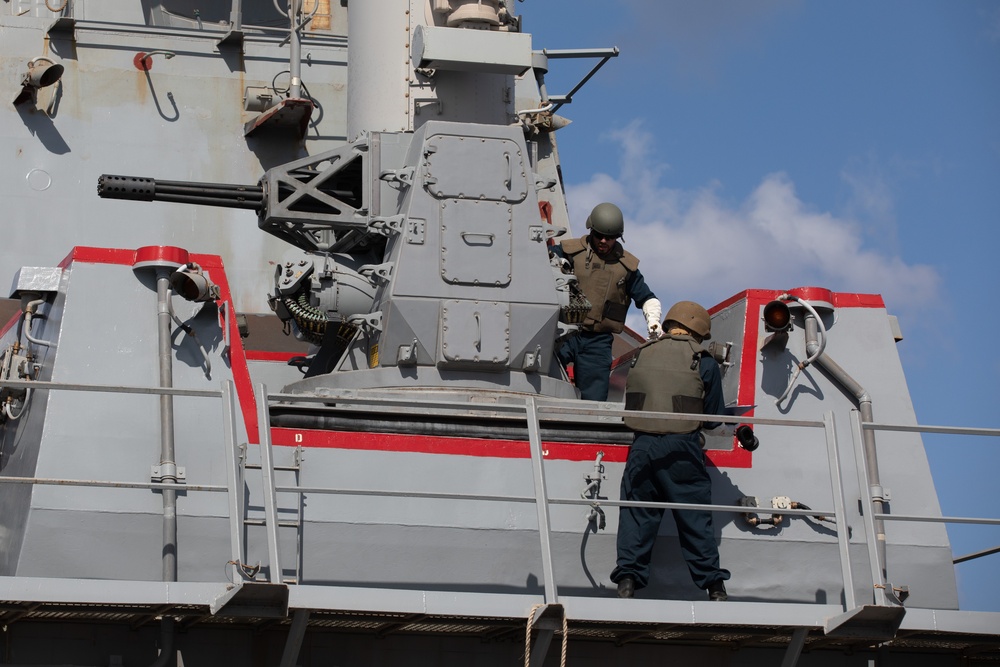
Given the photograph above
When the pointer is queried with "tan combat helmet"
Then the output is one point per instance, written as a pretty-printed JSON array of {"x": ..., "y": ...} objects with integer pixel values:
[{"x": 691, "y": 316}]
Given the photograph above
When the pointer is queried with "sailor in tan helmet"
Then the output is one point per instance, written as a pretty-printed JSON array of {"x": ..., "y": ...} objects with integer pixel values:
[{"x": 666, "y": 462}]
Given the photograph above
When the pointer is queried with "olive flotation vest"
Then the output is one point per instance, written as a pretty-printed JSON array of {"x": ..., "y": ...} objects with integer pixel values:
[
  {"x": 665, "y": 378},
  {"x": 602, "y": 282}
]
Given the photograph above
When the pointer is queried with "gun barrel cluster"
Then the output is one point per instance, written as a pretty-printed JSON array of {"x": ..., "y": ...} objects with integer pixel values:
[{"x": 137, "y": 188}]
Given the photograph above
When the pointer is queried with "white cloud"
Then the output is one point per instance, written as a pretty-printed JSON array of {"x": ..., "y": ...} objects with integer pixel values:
[{"x": 695, "y": 245}]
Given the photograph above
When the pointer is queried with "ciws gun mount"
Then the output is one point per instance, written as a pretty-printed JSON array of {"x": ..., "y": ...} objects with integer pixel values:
[{"x": 443, "y": 269}]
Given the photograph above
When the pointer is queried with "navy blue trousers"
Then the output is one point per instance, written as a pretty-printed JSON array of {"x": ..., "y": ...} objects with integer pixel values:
[
  {"x": 590, "y": 354},
  {"x": 671, "y": 469}
]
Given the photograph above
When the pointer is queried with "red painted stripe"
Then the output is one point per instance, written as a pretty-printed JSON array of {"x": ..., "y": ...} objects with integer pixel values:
[
  {"x": 735, "y": 458},
  {"x": 426, "y": 444},
  {"x": 212, "y": 264},
  {"x": 260, "y": 355},
  {"x": 237, "y": 356},
  {"x": 7, "y": 327},
  {"x": 858, "y": 301},
  {"x": 840, "y": 299},
  {"x": 99, "y": 256}
]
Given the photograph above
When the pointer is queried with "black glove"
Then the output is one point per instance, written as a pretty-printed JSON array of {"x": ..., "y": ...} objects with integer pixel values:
[{"x": 746, "y": 438}]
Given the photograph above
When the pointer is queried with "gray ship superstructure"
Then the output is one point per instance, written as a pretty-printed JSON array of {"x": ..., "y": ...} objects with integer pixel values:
[{"x": 295, "y": 400}]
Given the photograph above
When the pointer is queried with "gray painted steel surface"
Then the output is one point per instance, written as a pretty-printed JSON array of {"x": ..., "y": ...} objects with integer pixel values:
[{"x": 401, "y": 547}]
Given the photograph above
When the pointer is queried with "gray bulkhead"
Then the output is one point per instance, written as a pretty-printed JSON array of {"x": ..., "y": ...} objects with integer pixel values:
[
  {"x": 470, "y": 234},
  {"x": 345, "y": 538}
]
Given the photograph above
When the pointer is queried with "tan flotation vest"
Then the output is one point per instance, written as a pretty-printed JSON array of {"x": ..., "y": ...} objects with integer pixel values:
[
  {"x": 665, "y": 378},
  {"x": 603, "y": 283}
]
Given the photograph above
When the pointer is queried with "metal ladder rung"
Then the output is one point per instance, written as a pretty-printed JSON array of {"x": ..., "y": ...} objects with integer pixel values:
[
  {"x": 266, "y": 465},
  {"x": 256, "y": 466},
  {"x": 262, "y": 522}
]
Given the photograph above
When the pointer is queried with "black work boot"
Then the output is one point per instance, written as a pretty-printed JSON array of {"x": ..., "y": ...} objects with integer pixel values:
[
  {"x": 717, "y": 591},
  {"x": 626, "y": 587}
]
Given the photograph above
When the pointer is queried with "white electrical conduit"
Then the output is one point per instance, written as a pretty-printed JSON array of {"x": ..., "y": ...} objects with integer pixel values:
[
  {"x": 24, "y": 406},
  {"x": 815, "y": 355},
  {"x": 547, "y": 107},
  {"x": 191, "y": 332},
  {"x": 27, "y": 315},
  {"x": 29, "y": 311}
]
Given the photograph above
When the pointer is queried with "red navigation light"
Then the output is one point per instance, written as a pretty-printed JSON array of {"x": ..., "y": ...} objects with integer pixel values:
[{"x": 777, "y": 317}]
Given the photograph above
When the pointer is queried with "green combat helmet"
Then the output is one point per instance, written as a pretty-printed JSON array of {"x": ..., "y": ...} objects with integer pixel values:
[{"x": 606, "y": 219}]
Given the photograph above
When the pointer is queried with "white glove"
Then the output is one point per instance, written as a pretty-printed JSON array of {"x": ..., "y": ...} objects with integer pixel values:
[{"x": 652, "y": 309}]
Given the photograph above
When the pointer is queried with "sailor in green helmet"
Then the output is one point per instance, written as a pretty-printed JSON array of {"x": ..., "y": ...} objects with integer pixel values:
[
  {"x": 609, "y": 277},
  {"x": 666, "y": 462}
]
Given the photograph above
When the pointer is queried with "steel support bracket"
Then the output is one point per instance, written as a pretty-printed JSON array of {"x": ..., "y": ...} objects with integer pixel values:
[
  {"x": 63, "y": 27},
  {"x": 404, "y": 176},
  {"x": 533, "y": 360},
  {"x": 795, "y": 644},
  {"x": 407, "y": 354},
  {"x": 874, "y": 622},
  {"x": 256, "y": 600},
  {"x": 221, "y": 600},
  {"x": 896, "y": 595},
  {"x": 370, "y": 321},
  {"x": 377, "y": 273},
  {"x": 167, "y": 472},
  {"x": 387, "y": 226}
]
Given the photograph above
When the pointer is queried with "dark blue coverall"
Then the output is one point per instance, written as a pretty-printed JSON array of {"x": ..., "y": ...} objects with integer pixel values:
[
  {"x": 671, "y": 468},
  {"x": 590, "y": 351}
]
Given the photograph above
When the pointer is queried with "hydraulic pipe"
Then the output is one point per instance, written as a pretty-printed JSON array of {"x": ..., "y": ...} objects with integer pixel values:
[{"x": 864, "y": 400}]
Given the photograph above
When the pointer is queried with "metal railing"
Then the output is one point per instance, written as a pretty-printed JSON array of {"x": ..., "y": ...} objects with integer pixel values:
[
  {"x": 532, "y": 410},
  {"x": 858, "y": 427},
  {"x": 234, "y": 480},
  {"x": 535, "y": 408}
]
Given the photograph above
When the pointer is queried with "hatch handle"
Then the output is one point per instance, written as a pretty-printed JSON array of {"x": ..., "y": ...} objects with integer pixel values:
[{"x": 483, "y": 235}]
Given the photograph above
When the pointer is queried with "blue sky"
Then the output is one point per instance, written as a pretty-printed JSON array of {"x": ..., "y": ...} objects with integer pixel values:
[{"x": 857, "y": 141}]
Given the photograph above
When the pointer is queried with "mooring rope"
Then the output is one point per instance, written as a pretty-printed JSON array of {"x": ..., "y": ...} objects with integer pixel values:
[{"x": 527, "y": 637}]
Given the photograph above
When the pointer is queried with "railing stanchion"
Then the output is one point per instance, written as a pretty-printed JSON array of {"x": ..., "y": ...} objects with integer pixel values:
[
  {"x": 233, "y": 479},
  {"x": 867, "y": 509},
  {"x": 541, "y": 499},
  {"x": 839, "y": 506},
  {"x": 267, "y": 476}
]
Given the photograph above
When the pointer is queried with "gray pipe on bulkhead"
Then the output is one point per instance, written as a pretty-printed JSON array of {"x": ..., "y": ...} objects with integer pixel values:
[
  {"x": 168, "y": 467},
  {"x": 295, "y": 49},
  {"x": 864, "y": 399}
]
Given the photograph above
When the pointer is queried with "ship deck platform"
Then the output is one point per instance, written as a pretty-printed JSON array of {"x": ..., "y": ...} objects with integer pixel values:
[{"x": 973, "y": 636}]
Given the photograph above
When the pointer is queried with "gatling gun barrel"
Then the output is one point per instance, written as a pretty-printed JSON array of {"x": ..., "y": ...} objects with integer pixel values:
[{"x": 138, "y": 188}]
